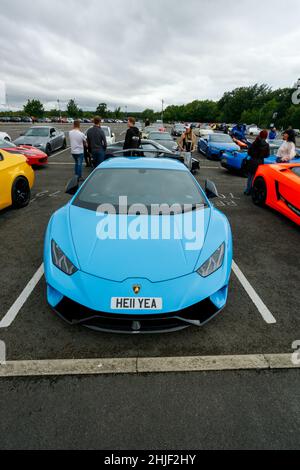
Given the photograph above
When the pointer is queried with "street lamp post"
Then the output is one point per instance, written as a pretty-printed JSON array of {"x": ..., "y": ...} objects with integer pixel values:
[
  {"x": 58, "y": 102},
  {"x": 162, "y": 110}
]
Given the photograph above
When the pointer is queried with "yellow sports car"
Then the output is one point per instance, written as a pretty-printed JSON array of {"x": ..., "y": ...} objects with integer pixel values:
[{"x": 16, "y": 180}]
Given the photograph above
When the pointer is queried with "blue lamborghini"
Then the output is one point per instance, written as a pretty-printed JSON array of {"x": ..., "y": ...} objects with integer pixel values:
[
  {"x": 214, "y": 145},
  {"x": 118, "y": 260},
  {"x": 237, "y": 161}
]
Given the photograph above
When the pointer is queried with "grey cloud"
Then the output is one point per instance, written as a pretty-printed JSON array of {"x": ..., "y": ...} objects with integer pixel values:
[{"x": 136, "y": 52}]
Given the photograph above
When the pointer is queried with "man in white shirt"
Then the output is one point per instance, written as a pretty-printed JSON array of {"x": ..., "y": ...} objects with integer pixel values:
[{"x": 78, "y": 142}]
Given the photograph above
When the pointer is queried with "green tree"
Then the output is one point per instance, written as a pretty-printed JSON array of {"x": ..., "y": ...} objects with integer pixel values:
[
  {"x": 102, "y": 110},
  {"x": 34, "y": 108},
  {"x": 73, "y": 109}
]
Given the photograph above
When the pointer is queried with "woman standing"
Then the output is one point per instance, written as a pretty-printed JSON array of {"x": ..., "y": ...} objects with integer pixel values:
[
  {"x": 287, "y": 151},
  {"x": 257, "y": 152},
  {"x": 187, "y": 141}
]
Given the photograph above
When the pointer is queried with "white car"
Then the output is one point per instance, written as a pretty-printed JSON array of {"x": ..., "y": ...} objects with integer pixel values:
[
  {"x": 203, "y": 131},
  {"x": 110, "y": 136},
  {"x": 4, "y": 136},
  {"x": 254, "y": 130}
]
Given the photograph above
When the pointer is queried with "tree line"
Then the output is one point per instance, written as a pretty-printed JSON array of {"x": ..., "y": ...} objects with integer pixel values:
[{"x": 257, "y": 104}]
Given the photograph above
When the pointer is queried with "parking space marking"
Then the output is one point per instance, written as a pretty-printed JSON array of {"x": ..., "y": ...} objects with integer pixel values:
[
  {"x": 18, "y": 304},
  {"x": 59, "y": 153},
  {"x": 61, "y": 163},
  {"x": 135, "y": 365},
  {"x": 261, "y": 307}
]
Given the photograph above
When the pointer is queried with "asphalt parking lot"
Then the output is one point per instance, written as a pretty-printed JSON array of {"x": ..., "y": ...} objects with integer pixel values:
[
  {"x": 265, "y": 322},
  {"x": 212, "y": 409}
]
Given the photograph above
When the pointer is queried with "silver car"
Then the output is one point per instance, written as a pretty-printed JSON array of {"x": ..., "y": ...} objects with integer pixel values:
[{"x": 46, "y": 138}]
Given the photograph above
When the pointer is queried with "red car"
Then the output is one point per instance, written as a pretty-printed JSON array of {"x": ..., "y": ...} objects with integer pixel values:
[
  {"x": 35, "y": 157},
  {"x": 278, "y": 186}
]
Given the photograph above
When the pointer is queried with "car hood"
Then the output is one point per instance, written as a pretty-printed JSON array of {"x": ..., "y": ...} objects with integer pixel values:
[
  {"x": 24, "y": 140},
  {"x": 155, "y": 260},
  {"x": 224, "y": 146}
]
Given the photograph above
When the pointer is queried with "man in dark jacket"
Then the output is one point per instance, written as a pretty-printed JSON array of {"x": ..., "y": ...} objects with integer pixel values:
[
  {"x": 133, "y": 138},
  {"x": 257, "y": 152},
  {"x": 96, "y": 142}
]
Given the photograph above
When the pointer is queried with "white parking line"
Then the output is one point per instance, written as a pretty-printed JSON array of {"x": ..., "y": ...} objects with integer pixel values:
[
  {"x": 25, "y": 294},
  {"x": 59, "y": 153},
  {"x": 261, "y": 307},
  {"x": 16, "y": 307},
  {"x": 61, "y": 163}
]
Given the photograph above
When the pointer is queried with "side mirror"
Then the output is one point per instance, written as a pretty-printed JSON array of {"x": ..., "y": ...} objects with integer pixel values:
[
  {"x": 211, "y": 189},
  {"x": 72, "y": 186},
  {"x": 22, "y": 133}
]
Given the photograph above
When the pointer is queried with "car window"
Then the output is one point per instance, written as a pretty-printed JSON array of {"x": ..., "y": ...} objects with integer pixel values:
[
  {"x": 37, "y": 132},
  {"x": 5, "y": 144},
  {"x": 160, "y": 136},
  {"x": 221, "y": 138},
  {"x": 140, "y": 186},
  {"x": 296, "y": 170}
]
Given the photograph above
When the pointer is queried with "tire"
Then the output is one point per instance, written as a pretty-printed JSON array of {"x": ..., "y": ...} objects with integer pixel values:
[
  {"x": 259, "y": 192},
  {"x": 20, "y": 193},
  {"x": 48, "y": 150}
]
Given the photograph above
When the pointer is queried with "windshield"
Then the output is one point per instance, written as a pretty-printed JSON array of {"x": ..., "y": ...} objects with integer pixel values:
[
  {"x": 4, "y": 144},
  {"x": 221, "y": 138},
  {"x": 296, "y": 170},
  {"x": 37, "y": 132},
  {"x": 106, "y": 131},
  {"x": 159, "y": 136},
  {"x": 140, "y": 186}
]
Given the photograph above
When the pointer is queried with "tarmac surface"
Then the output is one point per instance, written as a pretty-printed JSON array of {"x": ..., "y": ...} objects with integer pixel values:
[{"x": 199, "y": 413}]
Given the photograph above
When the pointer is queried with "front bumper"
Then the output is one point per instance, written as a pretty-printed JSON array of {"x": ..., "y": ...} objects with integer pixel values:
[
  {"x": 76, "y": 314},
  {"x": 86, "y": 300}
]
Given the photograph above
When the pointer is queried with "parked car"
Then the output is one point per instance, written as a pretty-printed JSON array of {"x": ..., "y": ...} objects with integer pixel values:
[
  {"x": 149, "y": 284},
  {"x": 203, "y": 131},
  {"x": 253, "y": 130},
  {"x": 154, "y": 149},
  {"x": 16, "y": 180},
  {"x": 177, "y": 130},
  {"x": 5, "y": 136},
  {"x": 165, "y": 139},
  {"x": 214, "y": 145},
  {"x": 45, "y": 138},
  {"x": 110, "y": 136},
  {"x": 35, "y": 157},
  {"x": 278, "y": 186}
]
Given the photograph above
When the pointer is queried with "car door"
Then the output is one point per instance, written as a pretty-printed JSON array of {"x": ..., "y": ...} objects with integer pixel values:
[{"x": 5, "y": 182}]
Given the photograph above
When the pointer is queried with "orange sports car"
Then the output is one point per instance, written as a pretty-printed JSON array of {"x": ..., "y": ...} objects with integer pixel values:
[{"x": 278, "y": 186}]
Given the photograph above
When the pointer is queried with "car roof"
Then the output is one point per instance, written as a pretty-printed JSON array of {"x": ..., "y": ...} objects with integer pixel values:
[{"x": 144, "y": 162}]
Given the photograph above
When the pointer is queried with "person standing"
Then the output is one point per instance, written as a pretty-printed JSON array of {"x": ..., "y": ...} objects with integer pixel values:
[
  {"x": 287, "y": 151},
  {"x": 257, "y": 152},
  {"x": 133, "y": 138},
  {"x": 187, "y": 141},
  {"x": 78, "y": 142},
  {"x": 272, "y": 133},
  {"x": 97, "y": 143}
]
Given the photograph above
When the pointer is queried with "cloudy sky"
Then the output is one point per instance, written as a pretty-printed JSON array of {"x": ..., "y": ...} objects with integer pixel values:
[{"x": 136, "y": 52}]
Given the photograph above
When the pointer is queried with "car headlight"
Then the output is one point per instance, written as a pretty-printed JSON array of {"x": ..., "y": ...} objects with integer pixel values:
[
  {"x": 213, "y": 263},
  {"x": 61, "y": 261}
]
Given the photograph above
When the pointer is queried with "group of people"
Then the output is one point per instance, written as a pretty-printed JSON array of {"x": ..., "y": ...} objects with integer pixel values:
[
  {"x": 93, "y": 144},
  {"x": 260, "y": 149}
]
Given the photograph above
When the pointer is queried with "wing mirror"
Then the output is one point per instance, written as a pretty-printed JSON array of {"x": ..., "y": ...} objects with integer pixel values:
[
  {"x": 72, "y": 186},
  {"x": 211, "y": 189}
]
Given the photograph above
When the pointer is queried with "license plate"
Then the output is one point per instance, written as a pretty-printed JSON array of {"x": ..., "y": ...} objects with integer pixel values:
[{"x": 136, "y": 303}]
